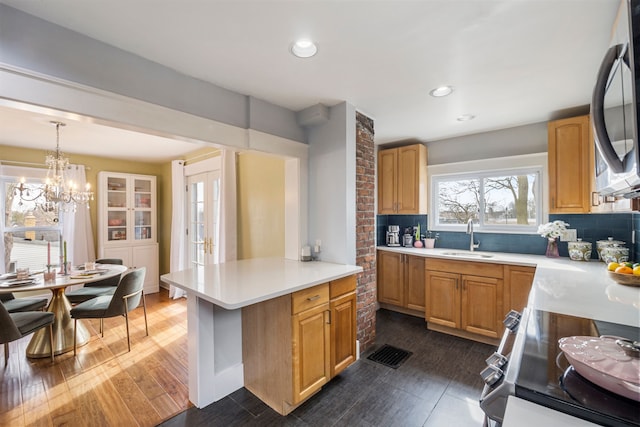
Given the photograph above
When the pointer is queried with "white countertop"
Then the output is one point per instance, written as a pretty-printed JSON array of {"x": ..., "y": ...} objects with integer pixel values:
[
  {"x": 560, "y": 285},
  {"x": 237, "y": 284}
]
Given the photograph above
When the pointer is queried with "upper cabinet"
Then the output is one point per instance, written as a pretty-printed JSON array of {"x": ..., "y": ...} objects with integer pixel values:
[
  {"x": 127, "y": 211},
  {"x": 570, "y": 165},
  {"x": 402, "y": 180}
]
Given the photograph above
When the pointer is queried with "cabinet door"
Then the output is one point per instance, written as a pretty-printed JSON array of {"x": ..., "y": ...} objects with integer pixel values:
[
  {"x": 121, "y": 252},
  {"x": 410, "y": 179},
  {"x": 387, "y": 181},
  {"x": 442, "y": 299},
  {"x": 311, "y": 351},
  {"x": 517, "y": 287},
  {"x": 480, "y": 306},
  {"x": 116, "y": 209},
  {"x": 147, "y": 256},
  {"x": 390, "y": 278},
  {"x": 414, "y": 278},
  {"x": 570, "y": 165},
  {"x": 343, "y": 332},
  {"x": 143, "y": 190}
]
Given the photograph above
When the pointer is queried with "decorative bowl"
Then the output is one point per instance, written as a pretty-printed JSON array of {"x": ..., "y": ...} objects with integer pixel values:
[
  {"x": 603, "y": 362},
  {"x": 625, "y": 279}
]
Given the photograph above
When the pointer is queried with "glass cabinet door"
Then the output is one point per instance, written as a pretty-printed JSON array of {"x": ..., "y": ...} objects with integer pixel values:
[
  {"x": 142, "y": 205},
  {"x": 116, "y": 208}
]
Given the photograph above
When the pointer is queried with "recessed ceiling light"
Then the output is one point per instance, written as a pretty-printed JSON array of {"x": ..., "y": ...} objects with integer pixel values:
[
  {"x": 304, "y": 48},
  {"x": 465, "y": 117},
  {"x": 441, "y": 91}
]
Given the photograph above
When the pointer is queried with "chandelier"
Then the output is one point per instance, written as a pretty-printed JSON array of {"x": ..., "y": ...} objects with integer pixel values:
[{"x": 57, "y": 191}]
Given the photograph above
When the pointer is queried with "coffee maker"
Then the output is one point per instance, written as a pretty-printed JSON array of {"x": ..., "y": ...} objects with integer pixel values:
[{"x": 393, "y": 235}]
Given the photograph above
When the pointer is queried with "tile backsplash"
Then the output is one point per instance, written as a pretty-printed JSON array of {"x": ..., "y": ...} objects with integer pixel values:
[{"x": 589, "y": 227}]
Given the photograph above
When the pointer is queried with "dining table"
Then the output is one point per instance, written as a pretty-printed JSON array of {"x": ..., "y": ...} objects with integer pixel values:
[{"x": 39, "y": 346}]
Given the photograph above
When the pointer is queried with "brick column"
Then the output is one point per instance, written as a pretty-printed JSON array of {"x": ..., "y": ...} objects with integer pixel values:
[{"x": 365, "y": 231}]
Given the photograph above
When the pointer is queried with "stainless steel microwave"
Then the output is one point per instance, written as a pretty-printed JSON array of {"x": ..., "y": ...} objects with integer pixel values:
[{"x": 614, "y": 108}]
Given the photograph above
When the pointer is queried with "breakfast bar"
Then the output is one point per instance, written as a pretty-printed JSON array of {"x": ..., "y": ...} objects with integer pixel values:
[{"x": 216, "y": 294}]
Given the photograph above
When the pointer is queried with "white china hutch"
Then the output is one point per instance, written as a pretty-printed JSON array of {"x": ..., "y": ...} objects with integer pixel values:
[{"x": 127, "y": 222}]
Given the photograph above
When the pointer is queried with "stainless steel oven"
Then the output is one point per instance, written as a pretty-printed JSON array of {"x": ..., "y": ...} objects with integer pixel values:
[
  {"x": 536, "y": 370},
  {"x": 502, "y": 368}
]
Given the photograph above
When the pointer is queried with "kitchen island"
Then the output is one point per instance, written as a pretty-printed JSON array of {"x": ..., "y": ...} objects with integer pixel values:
[{"x": 216, "y": 294}]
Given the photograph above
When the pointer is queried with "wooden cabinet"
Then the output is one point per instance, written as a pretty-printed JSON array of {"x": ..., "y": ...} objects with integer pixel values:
[
  {"x": 402, "y": 180},
  {"x": 464, "y": 298},
  {"x": 518, "y": 281},
  {"x": 127, "y": 222},
  {"x": 400, "y": 280},
  {"x": 571, "y": 153},
  {"x": 343, "y": 306},
  {"x": 311, "y": 342},
  {"x": 294, "y": 344}
]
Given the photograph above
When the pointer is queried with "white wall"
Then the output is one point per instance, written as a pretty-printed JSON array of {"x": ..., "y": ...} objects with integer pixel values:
[
  {"x": 332, "y": 185},
  {"x": 514, "y": 141}
]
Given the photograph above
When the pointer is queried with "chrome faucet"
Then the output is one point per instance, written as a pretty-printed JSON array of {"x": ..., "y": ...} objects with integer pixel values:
[{"x": 472, "y": 244}]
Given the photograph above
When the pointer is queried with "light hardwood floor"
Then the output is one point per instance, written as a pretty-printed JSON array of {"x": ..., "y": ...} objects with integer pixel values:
[{"x": 104, "y": 385}]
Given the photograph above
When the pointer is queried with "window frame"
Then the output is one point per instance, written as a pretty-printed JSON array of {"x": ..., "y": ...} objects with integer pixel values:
[
  {"x": 13, "y": 174},
  {"x": 480, "y": 226}
]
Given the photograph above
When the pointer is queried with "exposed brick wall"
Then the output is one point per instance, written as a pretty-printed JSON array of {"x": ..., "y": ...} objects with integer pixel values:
[{"x": 365, "y": 231}]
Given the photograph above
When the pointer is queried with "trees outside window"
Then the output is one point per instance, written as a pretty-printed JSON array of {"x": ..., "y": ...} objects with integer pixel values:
[{"x": 495, "y": 200}]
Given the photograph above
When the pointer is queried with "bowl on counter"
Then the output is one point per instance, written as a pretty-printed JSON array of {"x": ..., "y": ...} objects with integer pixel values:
[
  {"x": 580, "y": 251},
  {"x": 615, "y": 253},
  {"x": 625, "y": 279},
  {"x": 602, "y": 244}
]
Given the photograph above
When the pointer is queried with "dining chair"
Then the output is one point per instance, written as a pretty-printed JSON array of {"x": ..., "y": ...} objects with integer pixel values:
[
  {"x": 98, "y": 288},
  {"x": 126, "y": 298},
  {"x": 14, "y": 305},
  {"x": 14, "y": 326}
]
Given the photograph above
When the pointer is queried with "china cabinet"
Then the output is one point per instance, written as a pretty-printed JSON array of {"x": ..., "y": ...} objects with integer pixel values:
[{"x": 127, "y": 222}]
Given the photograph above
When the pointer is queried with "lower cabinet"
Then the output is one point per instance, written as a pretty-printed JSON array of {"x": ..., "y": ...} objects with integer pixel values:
[
  {"x": 400, "y": 280},
  {"x": 518, "y": 281},
  {"x": 135, "y": 256},
  {"x": 464, "y": 296},
  {"x": 294, "y": 344}
]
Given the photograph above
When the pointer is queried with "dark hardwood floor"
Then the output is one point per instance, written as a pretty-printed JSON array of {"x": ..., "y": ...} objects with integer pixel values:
[
  {"x": 105, "y": 385},
  {"x": 439, "y": 385}
]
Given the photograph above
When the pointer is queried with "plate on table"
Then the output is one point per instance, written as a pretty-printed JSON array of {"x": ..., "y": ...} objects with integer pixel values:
[
  {"x": 7, "y": 276},
  {"x": 16, "y": 282}
]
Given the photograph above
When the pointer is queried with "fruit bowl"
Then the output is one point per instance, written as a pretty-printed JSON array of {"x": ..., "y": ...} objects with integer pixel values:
[{"x": 625, "y": 279}]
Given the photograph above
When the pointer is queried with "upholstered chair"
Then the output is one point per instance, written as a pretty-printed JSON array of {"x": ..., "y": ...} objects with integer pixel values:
[
  {"x": 127, "y": 297},
  {"x": 14, "y": 326}
]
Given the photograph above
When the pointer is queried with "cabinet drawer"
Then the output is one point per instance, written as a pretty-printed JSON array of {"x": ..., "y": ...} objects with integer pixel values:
[
  {"x": 309, "y": 298},
  {"x": 342, "y": 286},
  {"x": 468, "y": 268}
]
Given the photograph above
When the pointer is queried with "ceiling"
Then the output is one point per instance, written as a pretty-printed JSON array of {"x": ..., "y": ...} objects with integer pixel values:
[{"x": 510, "y": 62}]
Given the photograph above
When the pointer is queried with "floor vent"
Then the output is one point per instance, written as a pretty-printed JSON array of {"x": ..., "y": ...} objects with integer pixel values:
[{"x": 390, "y": 356}]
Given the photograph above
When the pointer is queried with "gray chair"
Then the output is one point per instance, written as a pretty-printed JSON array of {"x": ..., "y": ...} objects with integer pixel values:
[
  {"x": 126, "y": 297},
  {"x": 98, "y": 288},
  {"x": 14, "y": 305},
  {"x": 14, "y": 326}
]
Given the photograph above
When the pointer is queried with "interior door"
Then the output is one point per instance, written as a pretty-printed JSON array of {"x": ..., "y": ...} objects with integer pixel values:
[{"x": 203, "y": 195}]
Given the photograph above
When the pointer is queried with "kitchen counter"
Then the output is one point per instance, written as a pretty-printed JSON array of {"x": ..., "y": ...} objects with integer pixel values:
[
  {"x": 236, "y": 284},
  {"x": 560, "y": 285},
  {"x": 215, "y": 296}
]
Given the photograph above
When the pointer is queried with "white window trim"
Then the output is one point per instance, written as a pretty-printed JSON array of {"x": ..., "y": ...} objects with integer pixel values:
[{"x": 476, "y": 168}]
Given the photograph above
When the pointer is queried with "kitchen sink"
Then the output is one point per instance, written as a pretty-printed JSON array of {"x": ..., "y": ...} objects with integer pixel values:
[{"x": 468, "y": 254}]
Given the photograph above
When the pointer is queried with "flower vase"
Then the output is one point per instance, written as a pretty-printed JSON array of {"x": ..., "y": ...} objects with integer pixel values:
[{"x": 552, "y": 248}]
